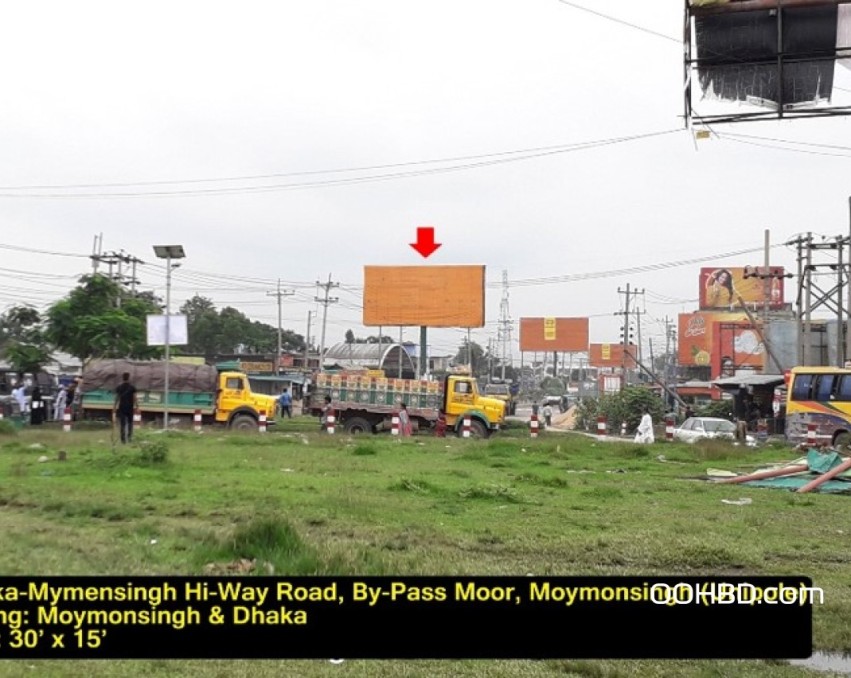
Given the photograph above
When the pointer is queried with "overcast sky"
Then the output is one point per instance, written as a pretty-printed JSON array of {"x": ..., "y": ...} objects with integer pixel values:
[{"x": 252, "y": 109}]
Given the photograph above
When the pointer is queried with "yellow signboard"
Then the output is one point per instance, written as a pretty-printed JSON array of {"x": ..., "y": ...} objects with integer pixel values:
[
  {"x": 606, "y": 352},
  {"x": 549, "y": 329}
]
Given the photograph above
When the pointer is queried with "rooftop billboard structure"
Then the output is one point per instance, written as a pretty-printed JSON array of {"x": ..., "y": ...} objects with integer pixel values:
[
  {"x": 720, "y": 288},
  {"x": 554, "y": 334},
  {"x": 424, "y": 296},
  {"x": 764, "y": 59}
]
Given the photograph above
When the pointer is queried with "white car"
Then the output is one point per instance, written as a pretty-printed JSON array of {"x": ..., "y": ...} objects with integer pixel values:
[{"x": 701, "y": 428}]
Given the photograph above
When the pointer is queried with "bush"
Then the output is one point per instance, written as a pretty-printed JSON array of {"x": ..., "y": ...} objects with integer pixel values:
[
  {"x": 626, "y": 406},
  {"x": 7, "y": 428},
  {"x": 153, "y": 451}
]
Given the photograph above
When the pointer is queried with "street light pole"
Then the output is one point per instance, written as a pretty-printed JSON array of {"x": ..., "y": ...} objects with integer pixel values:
[
  {"x": 167, "y": 336},
  {"x": 168, "y": 252}
]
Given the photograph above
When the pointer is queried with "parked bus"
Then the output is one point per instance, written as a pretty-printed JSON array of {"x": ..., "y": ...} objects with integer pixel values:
[{"x": 820, "y": 396}]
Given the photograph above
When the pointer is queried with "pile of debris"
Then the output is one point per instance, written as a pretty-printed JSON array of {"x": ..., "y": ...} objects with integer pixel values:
[{"x": 819, "y": 471}]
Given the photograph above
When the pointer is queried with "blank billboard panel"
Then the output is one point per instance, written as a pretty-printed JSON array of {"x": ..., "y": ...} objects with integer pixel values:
[
  {"x": 554, "y": 334},
  {"x": 424, "y": 296},
  {"x": 612, "y": 355}
]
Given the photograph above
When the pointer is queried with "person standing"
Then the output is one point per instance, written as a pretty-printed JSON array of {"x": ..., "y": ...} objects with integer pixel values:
[
  {"x": 404, "y": 420},
  {"x": 126, "y": 401},
  {"x": 327, "y": 410},
  {"x": 19, "y": 393},
  {"x": 37, "y": 413},
  {"x": 70, "y": 394},
  {"x": 286, "y": 404},
  {"x": 59, "y": 404},
  {"x": 644, "y": 434},
  {"x": 548, "y": 415}
]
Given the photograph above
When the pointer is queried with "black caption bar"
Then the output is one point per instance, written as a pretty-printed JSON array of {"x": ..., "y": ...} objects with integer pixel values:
[{"x": 405, "y": 617}]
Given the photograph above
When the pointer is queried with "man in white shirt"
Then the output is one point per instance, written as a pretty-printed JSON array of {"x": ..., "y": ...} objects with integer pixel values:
[{"x": 20, "y": 396}]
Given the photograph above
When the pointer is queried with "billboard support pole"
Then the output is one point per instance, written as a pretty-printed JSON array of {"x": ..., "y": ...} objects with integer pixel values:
[
  {"x": 671, "y": 393},
  {"x": 848, "y": 305},
  {"x": 423, "y": 356}
]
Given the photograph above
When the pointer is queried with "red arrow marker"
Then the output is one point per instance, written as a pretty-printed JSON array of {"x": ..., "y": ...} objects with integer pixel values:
[{"x": 425, "y": 244}]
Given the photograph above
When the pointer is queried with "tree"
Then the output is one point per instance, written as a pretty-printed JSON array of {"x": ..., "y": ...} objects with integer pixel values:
[
  {"x": 99, "y": 319},
  {"x": 22, "y": 340},
  {"x": 463, "y": 357},
  {"x": 625, "y": 406},
  {"x": 350, "y": 337},
  {"x": 213, "y": 332},
  {"x": 379, "y": 339},
  {"x": 203, "y": 326}
]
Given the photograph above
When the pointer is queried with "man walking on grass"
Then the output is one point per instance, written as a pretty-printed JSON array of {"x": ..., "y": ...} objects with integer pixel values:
[
  {"x": 126, "y": 402},
  {"x": 286, "y": 403}
]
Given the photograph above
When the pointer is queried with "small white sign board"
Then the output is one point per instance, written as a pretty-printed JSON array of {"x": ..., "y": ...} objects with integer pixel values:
[{"x": 177, "y": 330}]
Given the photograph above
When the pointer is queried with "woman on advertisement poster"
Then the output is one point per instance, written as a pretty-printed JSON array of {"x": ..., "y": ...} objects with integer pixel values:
[{"x": 719, "y": 288}]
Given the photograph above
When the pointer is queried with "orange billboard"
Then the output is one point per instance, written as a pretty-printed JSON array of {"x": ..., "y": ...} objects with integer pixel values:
[
  {"x": 612, "y": 355},
  {"x": 697, "y": 335},
  {"x": 554, "y": 334},
  {"x": 737, "y": 346},
  {"x": 424, "y": 296},
  {"x": 720, "y": 288}
]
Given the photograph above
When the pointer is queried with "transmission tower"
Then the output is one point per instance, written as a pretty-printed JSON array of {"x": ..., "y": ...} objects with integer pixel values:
[
  {"x": 823, "y": 285},
  {"x": 505, "y": 323}
]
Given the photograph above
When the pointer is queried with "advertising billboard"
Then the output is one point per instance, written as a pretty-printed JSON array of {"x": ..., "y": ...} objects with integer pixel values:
[
  {"x": 611, "y": 355},
  {"x": 696, "y": 333},
  {"x": 737, "y": 347},
  {"x": 720, "y": 288},
  {"x": 424, "y": 296},
  {"x": 554, "y": 334}
]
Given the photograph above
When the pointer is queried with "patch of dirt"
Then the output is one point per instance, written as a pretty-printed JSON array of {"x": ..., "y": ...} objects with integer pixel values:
[{"x": 565, "y": 420}]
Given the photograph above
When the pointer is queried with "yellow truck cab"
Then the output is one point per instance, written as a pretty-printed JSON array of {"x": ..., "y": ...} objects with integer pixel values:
[
  {"x": 238, "y": 406},
  {"x": 461, "y": 398}
]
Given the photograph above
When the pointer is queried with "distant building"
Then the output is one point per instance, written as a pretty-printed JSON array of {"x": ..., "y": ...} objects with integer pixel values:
[{"x": 388, "y": 357}]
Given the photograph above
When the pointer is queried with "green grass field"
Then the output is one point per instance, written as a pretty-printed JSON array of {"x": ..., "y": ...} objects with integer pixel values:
[{"x": 301, "y": 503}]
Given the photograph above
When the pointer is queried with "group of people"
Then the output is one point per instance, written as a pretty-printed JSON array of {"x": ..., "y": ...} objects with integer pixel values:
[{"x": 35, "y": 405}]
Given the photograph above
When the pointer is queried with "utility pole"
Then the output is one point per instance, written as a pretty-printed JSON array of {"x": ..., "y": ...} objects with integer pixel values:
[
  {"x": 401, "y": 338},
  {"x": 625, "y": 329},
  {"x": 307, "y": 343},
  {"x": 505, "y": 323},
  {"x": 325, "y": 301},
  {"x": 97, "y": 249},
  {"x": 280, "y": 294}
]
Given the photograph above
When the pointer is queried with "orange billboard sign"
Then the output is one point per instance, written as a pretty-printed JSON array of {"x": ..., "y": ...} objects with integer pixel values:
[
  {"x": 554, "y": 334},
  {"x": 697, "y": 335},
  {"x": 737, "y": 346},
  {"x": 611, "y": 355},
  {"x": 720, "y": 288},
  {"x": 424, "y": 296}
]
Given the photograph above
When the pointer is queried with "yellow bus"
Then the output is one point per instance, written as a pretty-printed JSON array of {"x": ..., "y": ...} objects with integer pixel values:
[{"x": 820, "y": 396}]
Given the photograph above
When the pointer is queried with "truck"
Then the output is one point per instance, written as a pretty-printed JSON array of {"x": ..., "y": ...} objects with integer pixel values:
[
  {"x": 367, "y": 403},
  {"x": 222, "y": 397},
  {"x": 503, "y": 391}
]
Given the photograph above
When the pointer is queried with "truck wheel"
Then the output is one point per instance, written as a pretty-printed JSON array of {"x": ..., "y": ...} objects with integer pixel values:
[
  {"x": 477, "y": 430},
  {"x": 243, "y": 422},
  {"x": 357, "y": 425}
]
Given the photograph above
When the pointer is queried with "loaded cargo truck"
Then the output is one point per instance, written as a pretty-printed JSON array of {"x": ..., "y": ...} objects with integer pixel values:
[
  {"x": 366, "y": 403},
  {"x": 222, "y": 397}
]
